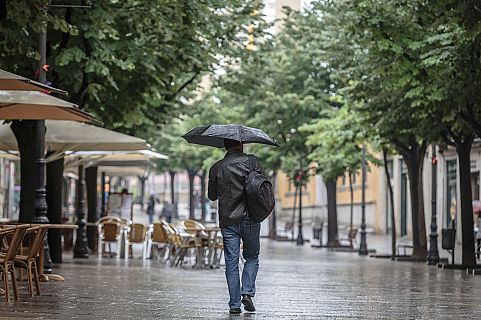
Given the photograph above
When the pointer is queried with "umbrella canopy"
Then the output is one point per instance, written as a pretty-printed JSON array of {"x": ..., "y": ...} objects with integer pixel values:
[
  {"x": 214, "y": 135},
  {"x": 139, "y": 158},
  {"x": 34, "y": 105},
  {"x": 11, "y": 81},
  {"x": 64, "y": 136}
]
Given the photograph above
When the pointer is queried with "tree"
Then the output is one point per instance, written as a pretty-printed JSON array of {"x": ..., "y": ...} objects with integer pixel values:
[
  {"x": 371, "y": 50},
  {"x": 335, "y": 139},
  {"x": 282, "y": 85},
  {"x": 128, "y": 62}
]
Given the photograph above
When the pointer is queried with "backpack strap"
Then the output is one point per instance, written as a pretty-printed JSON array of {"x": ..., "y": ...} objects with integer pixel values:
[{"x": 252, "y": 163}]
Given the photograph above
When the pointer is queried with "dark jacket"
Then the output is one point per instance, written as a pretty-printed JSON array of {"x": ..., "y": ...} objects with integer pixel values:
[{"x": 226, "y": 183}]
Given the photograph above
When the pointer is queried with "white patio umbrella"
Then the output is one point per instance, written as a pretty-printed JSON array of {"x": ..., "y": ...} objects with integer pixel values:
[
  {"x": 62, "y": 136},
  {"x": 107, "y": 160}
]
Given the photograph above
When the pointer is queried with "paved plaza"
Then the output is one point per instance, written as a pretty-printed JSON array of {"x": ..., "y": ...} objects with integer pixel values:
[{"x": 294, "y": 283}]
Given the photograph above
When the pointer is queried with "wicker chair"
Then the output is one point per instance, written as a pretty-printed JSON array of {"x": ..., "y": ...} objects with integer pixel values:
[
  {"x": 158, "y": 237},
  {"x": 137, "y": 234},
  {"x": 28, "y": 262},
  {"x": 182, "y": 241},
  {"x": 202, "y": 240},
  {"x": 109, "y": 230},
  {"x": 7, "y": 260}
]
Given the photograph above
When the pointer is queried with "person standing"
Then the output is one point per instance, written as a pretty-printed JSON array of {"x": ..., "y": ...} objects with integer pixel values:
[
  {"x": 226, "y": 184},
  {"x": 151, "y": 208},
  {"x": 168, "y": 211},
  {"x": 478, "y": 235}
]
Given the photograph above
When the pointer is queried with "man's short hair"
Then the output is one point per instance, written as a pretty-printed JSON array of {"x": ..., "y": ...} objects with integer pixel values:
[{"x": 229, "y": 143}]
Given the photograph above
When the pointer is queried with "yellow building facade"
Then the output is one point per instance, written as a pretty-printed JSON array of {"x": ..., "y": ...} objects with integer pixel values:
[{"x": 314, "y": 200}]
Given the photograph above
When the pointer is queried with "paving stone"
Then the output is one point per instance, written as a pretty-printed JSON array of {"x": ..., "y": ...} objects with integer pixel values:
[{"x": 293, "y": 283}]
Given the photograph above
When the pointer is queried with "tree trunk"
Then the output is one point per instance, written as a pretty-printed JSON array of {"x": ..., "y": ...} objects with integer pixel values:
[
  {"x": 351, "y": 194},
  {"x": 463, "y": 148},
  {"x": 54, "y": 203},
  {"x": 202, "y": 177},
  {"x": 294, "y": 205},
  {"x": 192, "y": 173},
  {"x": 172, "y": 185},
  {"x": 272, "y": 217},
  {"x": 25, "y": 133},
  {"x": 92, "y": 215},
  {"x": 391, "y": 199},
  {"x": 142, "y": 180},
  {"x": 415, "y": 173},
  {"x": 332, "y": 237},
  {"x": 414, "y": 158}
]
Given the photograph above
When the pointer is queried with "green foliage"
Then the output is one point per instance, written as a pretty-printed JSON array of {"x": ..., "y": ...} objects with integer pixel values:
[
  {"x": 282, "y": 86},
  {"x": 129, "y": 62},
  {"x": 213, "y": 108},
  {"x": 336, "y": 143}
]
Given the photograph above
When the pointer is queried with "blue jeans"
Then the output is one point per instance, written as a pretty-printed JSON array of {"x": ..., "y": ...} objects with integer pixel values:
[{"x": 249, "y": 232}]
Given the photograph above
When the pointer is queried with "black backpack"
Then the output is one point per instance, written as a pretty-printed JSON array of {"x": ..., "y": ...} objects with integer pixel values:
[{"x": 259, "y": 193}]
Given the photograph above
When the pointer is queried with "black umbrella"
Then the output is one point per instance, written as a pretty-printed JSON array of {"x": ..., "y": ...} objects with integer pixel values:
[{"x": 214, "y": 135}]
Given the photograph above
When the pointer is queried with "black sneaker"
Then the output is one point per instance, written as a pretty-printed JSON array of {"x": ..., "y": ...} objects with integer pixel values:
[
  {"x": 235, "y": 311},
  {"x": 248, "y": 304}
]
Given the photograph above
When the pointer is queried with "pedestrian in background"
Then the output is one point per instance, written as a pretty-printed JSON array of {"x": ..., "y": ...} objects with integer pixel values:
[
  {"x": 151, "y": 208},
  {"x": 226, "y": 184},
  {"x": 478, "y": 235},
  {"x": 168, "y": 211}
]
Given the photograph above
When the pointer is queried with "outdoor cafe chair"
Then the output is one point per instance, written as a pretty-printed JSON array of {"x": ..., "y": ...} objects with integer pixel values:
[
  {"x": 137, "y": 234},
  {"x": 28, "y": 261},
  {"x": 109, "y": 231},
  {"x": 158, "y": 237},
  {"x": 7, "y": 260},
  {"x": 183, "y": 241}
]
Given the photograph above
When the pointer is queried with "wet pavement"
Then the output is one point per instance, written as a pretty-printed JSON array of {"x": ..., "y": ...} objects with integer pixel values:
[{"x": 293, "y": 283}]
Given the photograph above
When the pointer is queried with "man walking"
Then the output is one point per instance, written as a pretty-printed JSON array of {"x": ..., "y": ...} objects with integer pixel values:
[{"x": 226, "y": 184}]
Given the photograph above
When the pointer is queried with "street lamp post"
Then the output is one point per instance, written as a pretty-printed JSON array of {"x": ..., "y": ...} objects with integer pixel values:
[
  {"x": 433, "y": 254},
  {"x": 363, "y": 245},
  {"x": 80, "y": 249},
  {"x": 40, "y": 204},
  {"x": 300, "y": 238}
]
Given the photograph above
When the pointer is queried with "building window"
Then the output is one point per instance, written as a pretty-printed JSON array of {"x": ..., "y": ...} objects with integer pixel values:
[{"x": 451, "y": 191}]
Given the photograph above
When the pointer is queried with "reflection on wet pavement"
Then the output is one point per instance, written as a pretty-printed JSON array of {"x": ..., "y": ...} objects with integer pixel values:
[{"x": 293, "y": 283}]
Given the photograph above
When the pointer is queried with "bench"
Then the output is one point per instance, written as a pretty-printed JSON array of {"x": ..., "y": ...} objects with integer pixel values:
[
  {"x": 404, "y": 243},
  {"x": 286, "y": 233},
  {"x": 350, "y": 237}
]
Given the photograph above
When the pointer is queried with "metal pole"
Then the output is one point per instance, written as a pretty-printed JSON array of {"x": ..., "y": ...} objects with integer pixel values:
[
  {"x": 40, "y": 204},
  {"x": 80, "y": 249},
  {"x": 40, "y": 191},
  {"x": 363, "y": 246},
  {"x": 294, "y": 204},
  {"x": 300, "y": 238},
  {"x": 102, "y": 195},
  {"x": 433, "y": 254}
]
